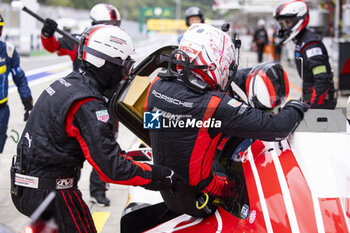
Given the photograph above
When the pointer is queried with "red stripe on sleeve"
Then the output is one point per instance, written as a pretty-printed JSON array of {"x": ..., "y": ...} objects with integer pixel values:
[
  {"x": 73, "y": 131},
  {"x": 70, "y": 53}
]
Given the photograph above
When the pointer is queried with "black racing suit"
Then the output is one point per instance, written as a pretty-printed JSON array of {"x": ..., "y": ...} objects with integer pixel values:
[
  {"x": 312, "y": 62},
  {"x": 68, "y": 125},
  {"x": 64, "y": 46},
  {"x": 190, "y": 150}
]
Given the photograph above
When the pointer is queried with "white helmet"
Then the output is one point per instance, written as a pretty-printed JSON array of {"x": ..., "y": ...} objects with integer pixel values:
[
  {"x": 211, "y": 47},
  {"x": 261, "y": 23},
  {"x": 105, "y": 14},
  {"x": 267, "y": 86},
  {"x": 293, "y": 17},
  {"x": 101, "y": 43}
]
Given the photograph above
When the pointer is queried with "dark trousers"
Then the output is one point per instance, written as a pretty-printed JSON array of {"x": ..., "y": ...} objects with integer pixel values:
[
  {"x": 4, "y": 120},
  {"x": 260, "y": 50},
  {"x": 68, "y": 208},
  {"x": 97, "y": 186}
]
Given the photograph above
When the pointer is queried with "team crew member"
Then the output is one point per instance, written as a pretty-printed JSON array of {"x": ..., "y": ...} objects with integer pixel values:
[
  {"x": 10, "y": 63},
  {"x": 100, "y": 14},
  {"x": 192, "y": 15},
  {"x": 70, "y": 124},
  {"x": 311, "y": 55},
  {"x": 260, "y": 39},
  {"x": 197, "y": 89}
]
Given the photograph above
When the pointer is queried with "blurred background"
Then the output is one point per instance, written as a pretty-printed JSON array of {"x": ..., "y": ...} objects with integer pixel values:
[{"x": 145, "y": 18}]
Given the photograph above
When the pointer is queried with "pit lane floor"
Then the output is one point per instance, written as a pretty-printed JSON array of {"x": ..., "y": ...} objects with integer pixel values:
[{"x": 106, "y": 218}]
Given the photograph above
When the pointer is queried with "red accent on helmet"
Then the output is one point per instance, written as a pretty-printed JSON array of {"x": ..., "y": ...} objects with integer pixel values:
[
  {"x": 87, "y": 37},
  {"x": 270, "y": 87}
]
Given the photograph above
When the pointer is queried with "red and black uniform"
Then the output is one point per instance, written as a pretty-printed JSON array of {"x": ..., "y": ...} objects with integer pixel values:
[
  {"x": 68, "y": 125},
  {"x": 62, "y": 46},
  {"x": 312, "y": 62},
  {"x": 189, "y": 151}
]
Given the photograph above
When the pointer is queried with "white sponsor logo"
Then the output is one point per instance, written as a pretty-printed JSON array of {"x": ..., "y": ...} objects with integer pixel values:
[
  {"x": 172, "y": 100},
  {"x": 50, "y": 91},
  {"x": 313, "y": 52},
  {"x": 252, "y": 216},
  {"x": 244, "y": 211},
  {"x": 29, "y": 139},
  {"x": 64, "y": 183},
  {"x": 64, "y": 82},
  {"x": 26, "y": 181}
]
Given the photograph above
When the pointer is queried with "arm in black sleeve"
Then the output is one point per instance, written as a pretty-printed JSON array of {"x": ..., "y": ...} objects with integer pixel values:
[
  {"x": 94, "y": 131},
  {"x": 316, "y": 61},
  {"x": 88, "y": 121},
  {"x": 239, "y": 119}
]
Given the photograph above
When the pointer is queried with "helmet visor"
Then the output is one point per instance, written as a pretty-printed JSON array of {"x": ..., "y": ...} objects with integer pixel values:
[
  {"x": 107, "y": 22},
  {"x": 287, "y": 23},
  {"x": 127, "y": 64}
]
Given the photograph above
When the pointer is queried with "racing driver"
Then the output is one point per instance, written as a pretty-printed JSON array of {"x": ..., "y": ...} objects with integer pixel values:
[{"x": 193, "y": 93}]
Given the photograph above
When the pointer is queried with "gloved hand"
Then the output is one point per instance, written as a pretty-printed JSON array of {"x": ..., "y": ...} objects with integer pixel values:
[
  {"x": 298, "y": 105},
  {"x": 49, "y": 28},
  {"x": 28, "y": 106},
  {"x": 163, "y": 178}
]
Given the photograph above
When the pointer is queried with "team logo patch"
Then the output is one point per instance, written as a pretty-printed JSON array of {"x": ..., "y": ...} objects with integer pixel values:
[
  {"x": 234, "y": 103},
  {"x": 64, "y": 183},
  {"x": 102, "y": 115},
  {"x": 313, "y": 52}
]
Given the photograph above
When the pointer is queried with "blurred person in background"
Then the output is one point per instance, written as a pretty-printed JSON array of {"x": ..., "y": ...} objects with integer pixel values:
[
  {"x": 99, "y": 14},
  {"x": 69, "y": 124},
  {"x": 311, "y": 56},
  {"x": 10, "y": 63},
  {"x": 277, "y": 48},
  {"x": 192, "y": 15},
  {"x": 260, "y": 39}
]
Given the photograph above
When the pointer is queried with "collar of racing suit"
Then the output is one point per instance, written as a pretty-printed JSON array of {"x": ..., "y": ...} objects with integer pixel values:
[{"x": 106, "y": 79}]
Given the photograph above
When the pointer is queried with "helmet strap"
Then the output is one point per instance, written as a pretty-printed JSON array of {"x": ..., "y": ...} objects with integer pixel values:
[{"x": 180, "y": 58}]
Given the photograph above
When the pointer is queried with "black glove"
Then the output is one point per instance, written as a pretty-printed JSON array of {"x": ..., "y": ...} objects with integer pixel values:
[
  {"x": 28, "y": 106},
  {"x": 298, "y": 105},
  {"x": 163, "y": 178},
  {"x": 49, "y": 28}
]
